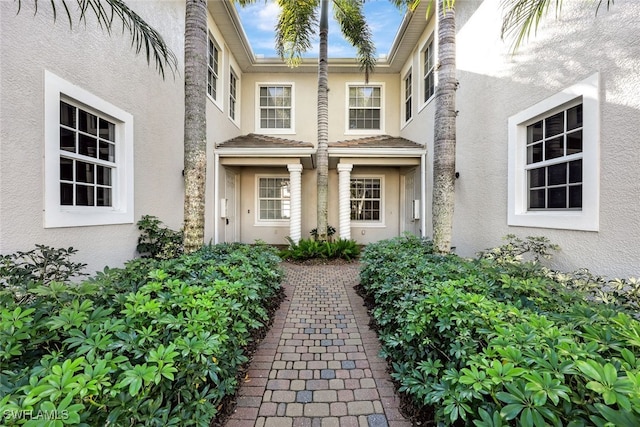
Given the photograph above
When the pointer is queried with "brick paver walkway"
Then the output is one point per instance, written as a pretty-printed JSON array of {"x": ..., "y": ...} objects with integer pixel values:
[{"x": 318, "y": 366}]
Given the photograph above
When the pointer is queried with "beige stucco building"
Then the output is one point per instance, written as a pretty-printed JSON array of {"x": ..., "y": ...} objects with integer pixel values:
[{"x": 91, "y": 136}]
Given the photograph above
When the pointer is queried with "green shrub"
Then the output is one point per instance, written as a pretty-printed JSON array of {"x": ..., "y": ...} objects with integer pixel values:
[
  {"x": 157, "y": 241},
  {"x": 164, "y": 352},
  {"x": 307, "y": 249},
  {"x": 489, "y": 343},
  {"x": 21, "y": 272},
  {"x": 330, "y": 233}
]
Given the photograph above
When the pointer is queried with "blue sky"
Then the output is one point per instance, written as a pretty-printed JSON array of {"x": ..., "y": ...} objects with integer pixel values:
[{"x": 259, "y": 21}]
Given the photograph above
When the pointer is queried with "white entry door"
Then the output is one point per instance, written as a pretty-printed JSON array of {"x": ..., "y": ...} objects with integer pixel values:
[
  {"x": 410, "y": 194},
  {"x": 231, "y": 232}
]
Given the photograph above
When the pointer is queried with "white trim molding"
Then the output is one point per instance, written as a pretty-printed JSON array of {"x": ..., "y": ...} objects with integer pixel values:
[
  {"x": 586, "y": 92},
  {"x": 121, "y": 209}
]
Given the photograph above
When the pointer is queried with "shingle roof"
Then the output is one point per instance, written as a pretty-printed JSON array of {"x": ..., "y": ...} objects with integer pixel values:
[
  {"x": 380, "y": 141},
  {"x": 253, "y": 140}
]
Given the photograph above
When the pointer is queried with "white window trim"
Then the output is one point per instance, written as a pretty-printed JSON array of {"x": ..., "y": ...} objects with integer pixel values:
[
  {"x": 403, "y": 109},
  {"x": 380, "y": 131},
  {"x": 587, "y": 219},
  {"x": 268, "y": 222},
  {"x": 370, "y": 224},
  {"x": 236, "y": 120},
  {"x": 424, "y": 102},
  {"x": 56, "y": 215},
  {"x": 276, "y": 131},
  {"x": 220, "y": 85}
]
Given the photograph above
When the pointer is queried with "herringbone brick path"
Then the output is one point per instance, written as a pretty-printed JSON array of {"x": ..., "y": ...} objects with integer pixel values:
[{"x": 318, "y": 366}]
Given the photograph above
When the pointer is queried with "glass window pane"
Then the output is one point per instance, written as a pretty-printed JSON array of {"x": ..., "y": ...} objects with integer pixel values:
[
  {"x": 553, "y": 148},
  {"x": 574, "y": 142},
  {"x": 103, "y": 196},
  {"x": 67, "y": 140},
  {"x": 88, "y": 122},
  {"x": 554, "y": 125},
  {"x": 575, "y": 171},
  {"x": 84, "y": 195},
  {"x": 557, "y": 174},
  {"x": 536, "y": 177},
  {"x": 107, "y": 151},
  {"x": 66, "y": 194},
  {"x": 574, "y": 117},
  {"x": 67, "y": 115},
  {"x": 103, "y": 175},
  {"x": 107, "y": 130},
  {"x": 537, "y": 199},
  {"x": 534, "y": 132},
  {"x": 557, "y": 198},
  {"x": 84, "y": 172},
  {"x": 534, "y": 153},
  {"x": 66, "y": 169},
  {"x": 575, "y": 196},
  {"x": 87, "y": 145}
]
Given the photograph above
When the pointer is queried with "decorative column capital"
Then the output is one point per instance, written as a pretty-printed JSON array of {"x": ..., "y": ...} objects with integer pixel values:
[
  {"x": 294, "y": 167},
  {"x": 345, "y": 167}
]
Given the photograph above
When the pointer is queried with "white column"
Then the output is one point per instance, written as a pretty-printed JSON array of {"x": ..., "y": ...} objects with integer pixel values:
[
  {"x": 344, "y": 199},
  {"x": 295, "y": 188}
]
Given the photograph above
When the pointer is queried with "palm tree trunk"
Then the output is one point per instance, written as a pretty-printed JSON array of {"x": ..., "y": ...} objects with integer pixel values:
[
  {"x": 323, "y": 124},
  {"x": 195, "y": 123},
  {"x": 444, "y": 150}
]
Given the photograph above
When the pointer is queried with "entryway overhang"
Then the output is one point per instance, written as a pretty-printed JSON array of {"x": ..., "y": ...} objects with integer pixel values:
[
  {"x": 265, "y": 151},
  {"x": 381, "y": 150}
]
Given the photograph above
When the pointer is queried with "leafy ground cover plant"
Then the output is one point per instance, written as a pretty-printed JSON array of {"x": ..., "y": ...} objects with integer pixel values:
[
  {"x": 156, "y": 343},
  {"x": 496, "y": 341},
  {"x": 158, "y": 241},
  {"x": 307, "y": 249}
]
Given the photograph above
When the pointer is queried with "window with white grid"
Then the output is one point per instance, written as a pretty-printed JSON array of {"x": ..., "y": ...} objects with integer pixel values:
[
  {"x": 275, "y": 107},
  {"x": 88, "y": 164},
  {"x": 233, "y": 94},
  {"x": 274, "y": 199},
  {"x": 213, "y": 68},
  {"x": 428, "y": 67},
  {"x": 408, "y": 97},
  {"x": 366, "y": 199},
  {"x": 365, "y": 107}
]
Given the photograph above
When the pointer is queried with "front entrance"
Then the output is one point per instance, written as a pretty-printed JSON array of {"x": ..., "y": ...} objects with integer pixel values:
[{"x": 230, "y": 210}]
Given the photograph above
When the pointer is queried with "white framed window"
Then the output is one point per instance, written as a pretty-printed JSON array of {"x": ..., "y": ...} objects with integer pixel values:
[
  {"x": 366, "y": 199},
  {"x": 429, "y": 75},
  {"x": 554, "y": 161},
  {"x": 88, "y": 158},
  {"x": 408, "y": 97},
  {"x": 213, "y": 71},
  {"x": 274, "y": 199},
  {"x": 275, "y": 108},
  {"x": 364, "y": 108},
  {"x": 233, "y": 95}
]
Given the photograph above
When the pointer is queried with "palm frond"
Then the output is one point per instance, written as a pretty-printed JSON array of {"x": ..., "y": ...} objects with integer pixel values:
[
  {"x": 143, "y": 36},
  {"x": 350, "y": 16},
  {"x": 297, "y": 24}
]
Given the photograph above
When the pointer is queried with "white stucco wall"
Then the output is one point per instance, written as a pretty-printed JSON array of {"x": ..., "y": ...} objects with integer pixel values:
[
  {"x": 495, "y": 85},
  {"x": 107, "y": 67}
]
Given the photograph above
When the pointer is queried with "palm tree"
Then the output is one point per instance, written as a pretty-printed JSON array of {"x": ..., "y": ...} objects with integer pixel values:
[
  {"x": 143, "y": 36},
  {"x": 195, "y": 122},
  {"x": 297, "y": 24}
]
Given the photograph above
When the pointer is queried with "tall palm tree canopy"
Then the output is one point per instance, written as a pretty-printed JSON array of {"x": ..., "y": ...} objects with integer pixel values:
[{"x": 298, "y": 25}]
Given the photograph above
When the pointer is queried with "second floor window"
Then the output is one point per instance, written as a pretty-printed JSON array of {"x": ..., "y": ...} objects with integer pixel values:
[
  {"x": 275, "y": 107},
  {"x": 408, "y": 90},
  {"x": 212, "y": 69},
  {"x": 365, "y": 105},
  {"x": 429, "y": 72},
  {"x": 233, "y": 94}
]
